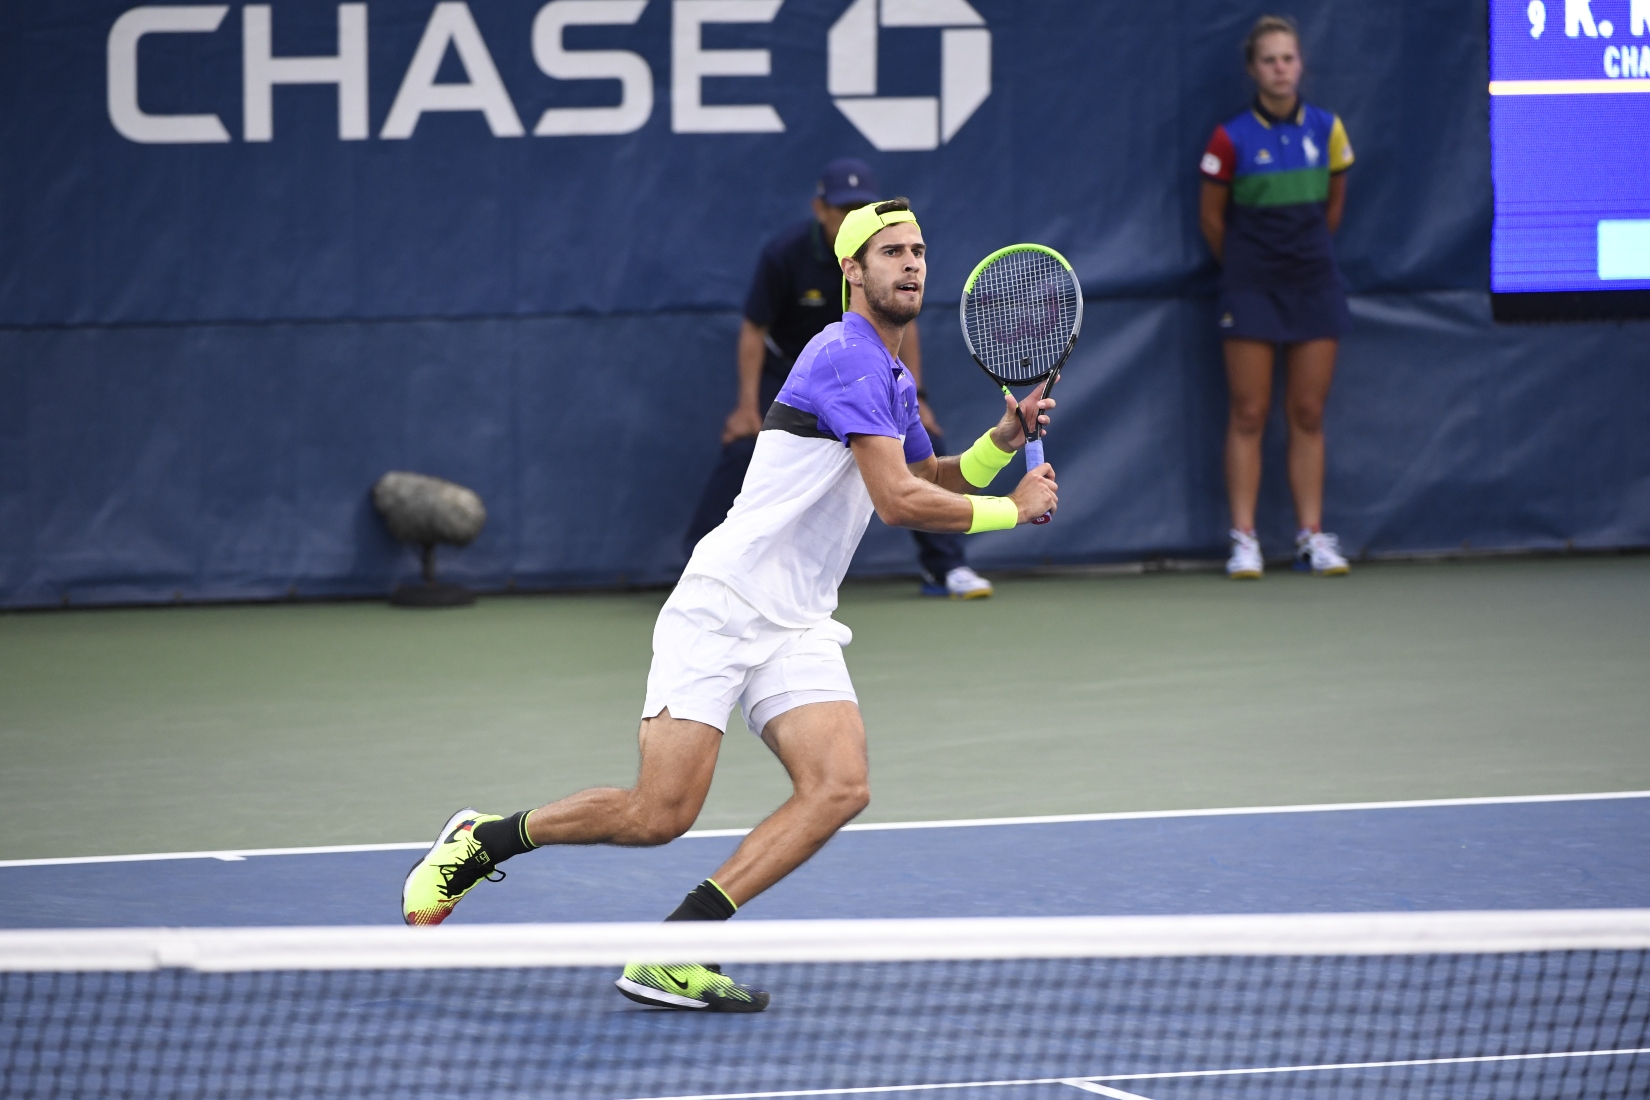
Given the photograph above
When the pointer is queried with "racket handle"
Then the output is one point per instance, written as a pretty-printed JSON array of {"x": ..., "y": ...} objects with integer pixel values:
[{"x": 1034, "y": 459}]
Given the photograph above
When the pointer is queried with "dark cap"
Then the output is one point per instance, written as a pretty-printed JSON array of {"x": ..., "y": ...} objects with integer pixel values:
[{"x": 848, "y": 182}]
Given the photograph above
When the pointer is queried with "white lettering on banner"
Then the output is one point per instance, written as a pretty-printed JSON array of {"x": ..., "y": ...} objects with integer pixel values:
[
  {"x": 1627, "y": 62},
  {"x": 888, "y": 122},
  {"x": 909, "y": 122},
  {"x": 690, "y": 63},
  {"x": 1639, "y": 16},
  {"x": 129, "y": 119},
  {"x": 451, "y": 23},
  {"x": 261, "y": 71},
  {"x": 1578, "y": 19},
  {"x": 555, "y": 60}
]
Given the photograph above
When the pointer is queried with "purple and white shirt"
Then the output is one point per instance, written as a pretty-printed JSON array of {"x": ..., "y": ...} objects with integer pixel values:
[{"x": 790, "y": 535}]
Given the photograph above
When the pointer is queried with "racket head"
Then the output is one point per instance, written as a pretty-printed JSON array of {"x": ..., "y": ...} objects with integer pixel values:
[{"x": 1021, "y": 312}]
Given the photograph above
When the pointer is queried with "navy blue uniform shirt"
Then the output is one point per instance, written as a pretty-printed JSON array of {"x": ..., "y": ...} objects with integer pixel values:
[{"x": 796, "y": 292}]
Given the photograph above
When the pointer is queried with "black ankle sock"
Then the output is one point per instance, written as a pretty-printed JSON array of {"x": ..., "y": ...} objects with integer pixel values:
[
  {"x": 505, "y": 837},
  {"x": 706, "y": 902}
]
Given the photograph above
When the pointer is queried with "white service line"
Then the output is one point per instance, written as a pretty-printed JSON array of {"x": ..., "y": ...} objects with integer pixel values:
[
  {"x": 1372, "y": 1065},
  {"x": 237, "y": 854},
  {"x": 1103, "y": 1090},
  {"x": 1080, "y": 1082},
  {"x": 230, "y": 856}
]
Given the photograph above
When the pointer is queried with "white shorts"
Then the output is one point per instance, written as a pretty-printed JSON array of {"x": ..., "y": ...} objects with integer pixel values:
[{"x": 711, "y": 650}]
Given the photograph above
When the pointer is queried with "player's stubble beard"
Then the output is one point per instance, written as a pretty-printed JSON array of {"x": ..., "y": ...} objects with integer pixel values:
[{"x": 880, "y": 299}]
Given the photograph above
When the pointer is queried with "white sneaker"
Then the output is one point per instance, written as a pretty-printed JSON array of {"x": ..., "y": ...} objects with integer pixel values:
[
  {"x": 962, "y": 583},
  {"x": 1320, "y": 552},
  {"x": 1245, "y": 564}
]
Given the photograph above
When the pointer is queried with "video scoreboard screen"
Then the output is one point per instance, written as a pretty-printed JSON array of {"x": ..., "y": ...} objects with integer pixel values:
[{"x": 1570, "y": 149}]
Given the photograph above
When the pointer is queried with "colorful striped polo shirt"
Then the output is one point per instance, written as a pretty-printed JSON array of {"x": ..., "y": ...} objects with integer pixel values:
[{"x": 1278, "y": 170}]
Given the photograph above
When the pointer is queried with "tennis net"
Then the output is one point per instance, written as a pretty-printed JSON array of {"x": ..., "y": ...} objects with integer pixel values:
[{"x": 1503, "y": 1005}]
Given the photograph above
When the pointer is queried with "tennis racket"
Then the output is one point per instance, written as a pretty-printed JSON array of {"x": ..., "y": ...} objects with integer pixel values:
[{"x": 1022, "y": 309}]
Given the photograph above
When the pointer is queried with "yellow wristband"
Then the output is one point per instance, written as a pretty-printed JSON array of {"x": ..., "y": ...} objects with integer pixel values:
[
  {"x": 980, "y": 463},
  {"x": 993, "y": 514}
]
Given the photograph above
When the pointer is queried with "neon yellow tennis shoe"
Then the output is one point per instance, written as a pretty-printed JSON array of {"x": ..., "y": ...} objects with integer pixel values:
[
  {"x": 704, "y": 988},
  {"x": 448, "y": 871}
]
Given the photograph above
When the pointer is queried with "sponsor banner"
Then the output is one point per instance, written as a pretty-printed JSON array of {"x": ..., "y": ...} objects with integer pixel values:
[{"x": 310, "y": 159}]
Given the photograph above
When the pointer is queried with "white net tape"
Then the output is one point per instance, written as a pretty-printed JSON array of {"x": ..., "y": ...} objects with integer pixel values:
[{"x": 516, "y": 945}]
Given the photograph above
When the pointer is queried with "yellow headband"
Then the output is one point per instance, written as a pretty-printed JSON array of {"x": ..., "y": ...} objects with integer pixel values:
[{"x": 860, "y": 226}]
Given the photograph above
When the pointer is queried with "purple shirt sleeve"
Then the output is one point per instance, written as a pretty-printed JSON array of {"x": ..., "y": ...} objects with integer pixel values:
[
  {"x": 858, "y": 394},
  {"x": 917, "y": 444},
  {"x": 853, "y": 387}
]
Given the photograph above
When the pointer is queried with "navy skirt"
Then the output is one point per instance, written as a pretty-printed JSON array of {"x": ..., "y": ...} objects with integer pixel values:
[{"x": 1284, "y": 315}]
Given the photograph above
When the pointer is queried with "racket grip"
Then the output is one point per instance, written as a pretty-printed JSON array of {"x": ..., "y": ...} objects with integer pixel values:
[{"x": 1034, "y": 459}]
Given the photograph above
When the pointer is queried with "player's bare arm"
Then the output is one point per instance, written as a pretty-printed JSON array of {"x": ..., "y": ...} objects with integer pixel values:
[
  {"x": 902, "y": 499},
  {"x": 887, "y": 289},
  {"x": 1008, "y": 436}
]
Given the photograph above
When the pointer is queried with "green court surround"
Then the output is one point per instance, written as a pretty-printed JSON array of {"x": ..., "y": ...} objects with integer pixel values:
[{"x": 261, "y": 726}]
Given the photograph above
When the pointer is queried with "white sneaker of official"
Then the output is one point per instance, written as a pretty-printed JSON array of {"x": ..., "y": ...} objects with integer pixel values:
[
  {"x": 1320, "y": 552},
  {"x": 1245, "y": 563},
  {"x": 962, "y": 583}
]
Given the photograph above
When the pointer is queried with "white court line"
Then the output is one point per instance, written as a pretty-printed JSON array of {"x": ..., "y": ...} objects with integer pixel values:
[
  {"x": 231, "y": 856},
  {"x": 871, "y": 1090},
  {"x": 1103, "y": 1090},
  {"x": 236, "y": 854}
]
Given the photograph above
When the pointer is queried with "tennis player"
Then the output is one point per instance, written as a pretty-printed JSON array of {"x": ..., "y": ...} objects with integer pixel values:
[
  {"x": 792, "y": 297},
  {"x": 1274, "y": 186},
  {"x": 750, "y": 622}
]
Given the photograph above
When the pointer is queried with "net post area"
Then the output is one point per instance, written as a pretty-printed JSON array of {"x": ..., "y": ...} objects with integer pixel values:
[{"x": 1462, "y": 1005}]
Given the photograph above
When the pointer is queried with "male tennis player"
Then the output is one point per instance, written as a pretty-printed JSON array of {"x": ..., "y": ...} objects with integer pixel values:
[
  {"x": 797, "y": 283},
  {"x": 750, "y": 622}
]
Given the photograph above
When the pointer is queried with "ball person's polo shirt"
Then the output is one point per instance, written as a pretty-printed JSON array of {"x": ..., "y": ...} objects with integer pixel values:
[{"x": 1278, "y": 170}]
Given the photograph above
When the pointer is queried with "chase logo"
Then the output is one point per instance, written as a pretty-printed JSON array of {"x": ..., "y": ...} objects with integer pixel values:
[
  {"x": 452, "y": 42},
  {"x": 909, "y": 122}
]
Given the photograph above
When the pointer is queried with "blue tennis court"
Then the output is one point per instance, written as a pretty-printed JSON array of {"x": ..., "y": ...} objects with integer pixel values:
[
  {"x": 1131, "y": 1028},
  {"x": 1571, "y": 853},
  {"x": 978, "y": 985}
]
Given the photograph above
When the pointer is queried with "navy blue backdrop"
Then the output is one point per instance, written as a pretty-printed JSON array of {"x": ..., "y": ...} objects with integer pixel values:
[{"x": 211, "y": 346}]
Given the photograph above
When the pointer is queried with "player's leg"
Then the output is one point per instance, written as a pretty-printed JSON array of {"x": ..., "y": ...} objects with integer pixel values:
[
  {"x": 1311, "y": 367},
  {"x": 822, "y": 746},
  {"x": 1249, "y": 385},
  {"x": 801, "y": 702},
  {"x": 704, "y": 645},
  {"x": 678, "y": 760}
]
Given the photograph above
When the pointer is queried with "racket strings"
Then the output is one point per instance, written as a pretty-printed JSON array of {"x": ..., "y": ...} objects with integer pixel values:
[{"x": 1020, "y": 315}]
